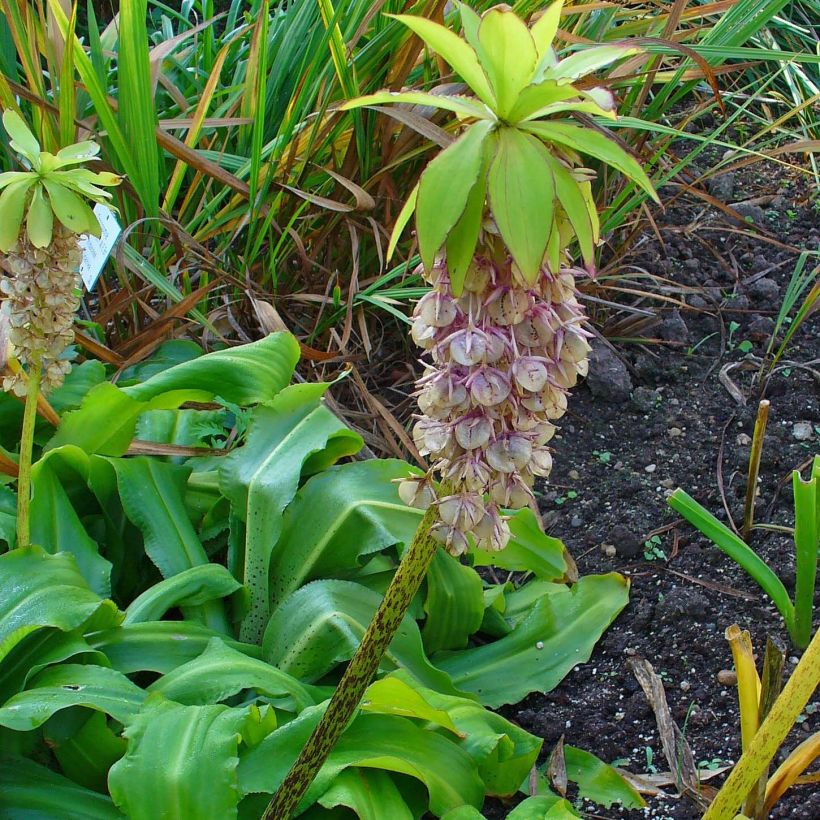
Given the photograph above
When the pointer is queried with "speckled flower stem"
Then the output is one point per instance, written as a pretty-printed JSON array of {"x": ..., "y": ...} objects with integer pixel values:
[
  {"x": 26, "y": 445},
  {"x": 409, "y": 575}
]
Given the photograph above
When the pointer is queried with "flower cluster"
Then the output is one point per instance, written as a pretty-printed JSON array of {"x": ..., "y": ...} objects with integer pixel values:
[
  {"x": 41, "y": 288},
  {"x": 503, "y": 356}
]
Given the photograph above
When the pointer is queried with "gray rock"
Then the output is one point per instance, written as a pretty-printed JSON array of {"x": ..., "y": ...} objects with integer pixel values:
[
  {"x": 673, "y": 328},
  {"x": 722, "y": 186},
  {"x": 645, "y": 400},
  {"x": 608, "y": 377},
  {"x": 802, "y": 430},
  {"x": 750, "y": 213},
  {"x": 760, "y": 327},
  {"x": 765, "y": 290},
  {"x": 697, "y": 301},
  {"x": 625, "y": 541},
  {"x": 680, "y": 603}
]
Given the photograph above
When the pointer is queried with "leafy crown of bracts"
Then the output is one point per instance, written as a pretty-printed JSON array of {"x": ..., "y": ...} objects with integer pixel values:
[
  {"x": 50, "y": 188},
  {"x": 519, "y": 152}
]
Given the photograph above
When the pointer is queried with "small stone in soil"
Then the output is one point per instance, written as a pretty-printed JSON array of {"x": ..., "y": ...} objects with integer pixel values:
[
  {"x": 650, "y": 468},
  {"x": 673, "y": 328},
  {"x": 802, "y": 430},
  {"x": 722, "y": 186},
  {"x": 675, "y": 432},
  {"x": 576, "y": 521},
  {"x": 608, "y": 377},
  {"x": 750, "y": 212},
  {"x": 764, "y": 290},
  {"x": 626, "y": 543},
  {"x": 743, "y": 440},
  {"x": 727, "y": 677}
]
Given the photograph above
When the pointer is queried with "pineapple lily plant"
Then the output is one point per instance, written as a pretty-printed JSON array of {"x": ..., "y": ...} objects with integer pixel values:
[
  {"x": 41, "y": 257},
  {"x": 496, "y": 215}
]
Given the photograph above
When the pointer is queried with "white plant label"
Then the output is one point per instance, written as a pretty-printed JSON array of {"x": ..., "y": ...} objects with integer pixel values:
[{"x": 96, "y": 250}]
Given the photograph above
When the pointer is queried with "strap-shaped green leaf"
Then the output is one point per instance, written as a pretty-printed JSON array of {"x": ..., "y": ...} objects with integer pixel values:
[
  {"x": 535, "y": 98},
  {"x": 401, "y": 221},
  {"x": 546, "y": 27},
  {"x": 595, "y": 144},
  {"x": 159, "y": 646},
  {"x": 12, "y": 207},
  {"x": 455, "y": 51},
  {"x": 444, "y": 188},
  {"x": 68, "y": 685},
  {"x": 71, "y": 210},
  {"x": 508, "y": 55},
  {"x": 463, "y": 106},
  {"x": 585, "y": 62},
  {"x": 34, "y": 791},
  {"x": 522, "y": 194},
  {"x": 463, "y": 238},
  {"x": 40, "y": 219},
  {"x": 572, "y": 201},
  {"x": 181, "y": 759},
  {"x": 371, "y": 793}
]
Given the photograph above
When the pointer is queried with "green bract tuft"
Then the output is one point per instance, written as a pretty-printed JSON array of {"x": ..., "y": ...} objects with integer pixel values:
[{"x": 48, "y": 189}]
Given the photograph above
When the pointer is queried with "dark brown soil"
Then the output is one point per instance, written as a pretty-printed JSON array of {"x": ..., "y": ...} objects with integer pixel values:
[{"x": 615, "y": 464}]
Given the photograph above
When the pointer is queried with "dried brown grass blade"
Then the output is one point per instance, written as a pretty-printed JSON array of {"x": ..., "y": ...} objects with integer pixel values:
[{"x": 675, "y": 747}]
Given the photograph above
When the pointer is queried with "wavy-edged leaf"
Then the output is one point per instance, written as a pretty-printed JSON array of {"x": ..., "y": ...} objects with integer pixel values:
[
  {"x": 159, "y": 646},
  {"x": 56, "y": 527},
  {"x": 191, "y": 587},
  {"x": 322, "y": 624},
  {"x": 568, "y": 192},
  {"x": 504, "y": 753},
  {"x": 338, "y": 519},
  {"x": 595, "y": 144},
  {"x": 522, "y": 198},
  {"x": 84, "y": 376},
  {"x": 68, "y": 685},
  {"x": 36, "y": 793},
  {"x": 382, "y": 742},
  {"x": 560, "y": 632},
  {"x": 529, "y": 550},
  {"x": 22, "y": 140},
  {"x": 248, "y": 374},
  {"x": 508, "y": 55},
  {"x": 180, "y": 758},
  {"x": 152, "y": 493},
  {"x": 393, "y": 696},
  {"x": 455, "y": 51},
  {"x": 261, "y": 478},
  {"x": 454, "y": 604},
  {"x": 221, "y": 672},
  {"x": 370, "y": 793},
  {"x": 39, "y": 590},
  {"x": 444, "y": 188}
]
